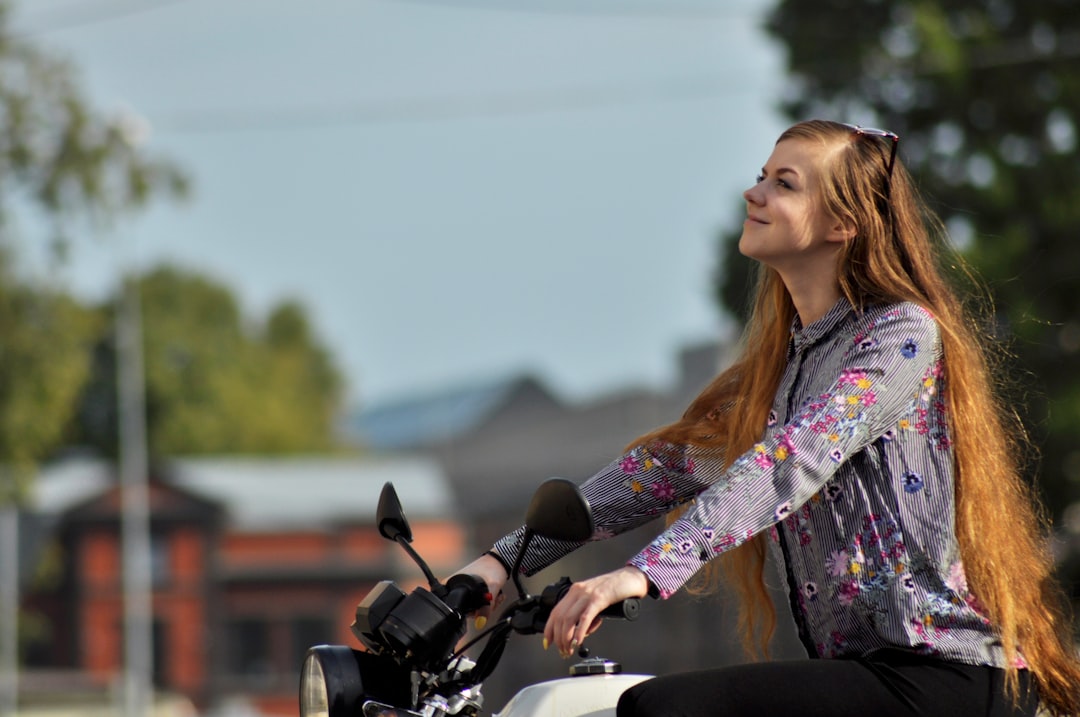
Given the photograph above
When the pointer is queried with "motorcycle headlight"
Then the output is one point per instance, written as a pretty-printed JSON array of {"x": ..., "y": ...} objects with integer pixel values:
[{"x": 330, "y": 684}]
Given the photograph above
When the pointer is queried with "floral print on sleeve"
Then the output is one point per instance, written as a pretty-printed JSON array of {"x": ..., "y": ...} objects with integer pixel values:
[
  {"x": 647, "y": 481},
  {"x": 852, "y": 482},
  {"x": 874, "y": 378}
]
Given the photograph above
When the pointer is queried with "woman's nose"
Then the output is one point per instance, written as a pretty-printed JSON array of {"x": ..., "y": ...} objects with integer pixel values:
[{"x": 753, "y": 195}]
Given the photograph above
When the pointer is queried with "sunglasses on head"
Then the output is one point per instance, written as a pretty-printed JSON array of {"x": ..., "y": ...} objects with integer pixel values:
[{"x": 892, "y": 137}]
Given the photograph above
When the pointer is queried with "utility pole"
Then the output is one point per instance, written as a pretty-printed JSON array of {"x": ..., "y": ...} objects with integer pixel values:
[
  {"x": 9, "y": 602},
  {"x": 134, "y": 467}
]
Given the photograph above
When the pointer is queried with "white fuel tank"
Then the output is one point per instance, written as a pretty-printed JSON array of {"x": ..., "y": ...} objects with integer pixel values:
[{"x": 591, "y": 694}]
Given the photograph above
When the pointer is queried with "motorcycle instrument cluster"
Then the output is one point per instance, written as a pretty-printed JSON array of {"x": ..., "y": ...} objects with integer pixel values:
[{"x": 415, "y": 636}]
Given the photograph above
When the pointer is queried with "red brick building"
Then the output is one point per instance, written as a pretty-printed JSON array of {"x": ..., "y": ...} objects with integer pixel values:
[{"x": 252, "y": 561}]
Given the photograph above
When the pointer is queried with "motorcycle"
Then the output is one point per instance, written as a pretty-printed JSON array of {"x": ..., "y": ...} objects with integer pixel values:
[{"x": 414, "y": 665}]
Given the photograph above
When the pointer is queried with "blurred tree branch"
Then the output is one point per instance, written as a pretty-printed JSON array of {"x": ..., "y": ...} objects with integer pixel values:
[{"x": 61, "y": 162}]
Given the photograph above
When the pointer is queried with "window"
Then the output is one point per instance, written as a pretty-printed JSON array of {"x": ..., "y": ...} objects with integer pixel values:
[
  {"x": 248, "y": 646},
  {"x": 160, "y": 564},
  {"x": 160, "y": 632}
]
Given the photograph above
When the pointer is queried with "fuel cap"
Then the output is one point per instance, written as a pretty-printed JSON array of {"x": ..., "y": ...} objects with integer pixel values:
[{"x": 595, "y": 666}]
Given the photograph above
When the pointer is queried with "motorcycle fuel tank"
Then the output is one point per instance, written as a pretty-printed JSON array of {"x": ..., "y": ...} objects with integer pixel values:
[{"x": 584, "y": 696}]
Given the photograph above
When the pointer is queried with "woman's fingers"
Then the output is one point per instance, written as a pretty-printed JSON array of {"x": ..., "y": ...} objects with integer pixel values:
[
  {"x": 576, "y": 615},
  {"x": 584, "y": 626},
  {"x": 561, "y": 623},
  {"x": 562, "y": 628},
  {"x": 483, "y": 613}
]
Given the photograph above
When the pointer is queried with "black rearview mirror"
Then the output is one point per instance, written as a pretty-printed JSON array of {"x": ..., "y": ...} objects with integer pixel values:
[
  {"x": 559, "y": 511},
  {"x": 390, "y": 516}
]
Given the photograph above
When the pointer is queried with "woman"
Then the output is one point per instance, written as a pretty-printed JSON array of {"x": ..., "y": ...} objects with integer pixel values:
[{"x": 859, "y": 437}]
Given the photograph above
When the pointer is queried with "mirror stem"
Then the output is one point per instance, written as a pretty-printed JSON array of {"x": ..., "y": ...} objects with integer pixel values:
[
  {"x": 515, "y": 572},
  {"x": 432, "y": 580}
]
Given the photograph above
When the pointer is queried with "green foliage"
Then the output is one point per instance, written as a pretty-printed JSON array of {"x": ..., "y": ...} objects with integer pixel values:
[
  {"x": 985, "y": 96},
  {"x": 44, "y": 361},
  {"x": 61, "y": 162},
  {"x": 59, "y": 156},
  {"x": 213, "y": 384}
]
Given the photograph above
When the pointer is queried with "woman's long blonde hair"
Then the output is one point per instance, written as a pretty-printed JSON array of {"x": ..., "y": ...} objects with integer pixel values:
[{"x": 897, "y": 255}]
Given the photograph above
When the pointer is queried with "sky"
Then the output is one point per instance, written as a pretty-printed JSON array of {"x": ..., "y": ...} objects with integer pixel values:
[{"x": 456, "y": 190}]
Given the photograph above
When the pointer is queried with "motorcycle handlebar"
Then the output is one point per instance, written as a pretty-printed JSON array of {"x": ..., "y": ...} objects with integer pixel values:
[
  {"x": 466, "y": 593},
  {"x": 528, "y": 616},
  {"x": 627, "y": 609}
]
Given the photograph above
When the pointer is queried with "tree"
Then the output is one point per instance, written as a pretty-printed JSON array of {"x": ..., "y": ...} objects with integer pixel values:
[
  {"x": 62, "y": 162},
  {"x": 43, "y": 364},
  {"x": 59, "y": 157},
  {"x": 59, "y": 161},
  {"x": 985, "y": 96},
  {"x": 213, "y": 384}
]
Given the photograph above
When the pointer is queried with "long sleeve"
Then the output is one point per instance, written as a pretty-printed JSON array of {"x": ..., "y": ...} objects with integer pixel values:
[
  {"x": 852, "y": 482},
  {"x": 871, "y": 379},
  {"x": 646, "y": 481}
]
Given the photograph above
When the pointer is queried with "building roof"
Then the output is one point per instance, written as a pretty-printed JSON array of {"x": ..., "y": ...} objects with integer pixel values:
[
  {"x": 67, "y": 482},
  {"x": 309, "y": 491},
  {"x": 438, "y": 417},
  {"x": 268, "y": 493}
]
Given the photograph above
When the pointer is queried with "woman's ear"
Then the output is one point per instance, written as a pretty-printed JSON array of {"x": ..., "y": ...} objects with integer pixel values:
[{"x": 842, "y": 230}]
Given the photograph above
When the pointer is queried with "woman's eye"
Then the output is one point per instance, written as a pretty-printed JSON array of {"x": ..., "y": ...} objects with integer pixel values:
[{"x": 779, "y": 182}]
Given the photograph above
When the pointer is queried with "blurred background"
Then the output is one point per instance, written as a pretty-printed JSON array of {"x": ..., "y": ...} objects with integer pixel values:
[{"x": 259, "y": 257}]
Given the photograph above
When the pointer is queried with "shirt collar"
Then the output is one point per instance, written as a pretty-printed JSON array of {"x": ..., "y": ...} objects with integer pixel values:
[{"x": 803, "y": 337}]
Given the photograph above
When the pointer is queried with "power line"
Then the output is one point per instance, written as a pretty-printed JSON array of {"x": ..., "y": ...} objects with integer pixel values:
[
  {"x": 91, "y": 14},
  {"x": 604, "y": 8},
  {"x": 108, "y": 10},
  {"x": 435, "y": 109}
]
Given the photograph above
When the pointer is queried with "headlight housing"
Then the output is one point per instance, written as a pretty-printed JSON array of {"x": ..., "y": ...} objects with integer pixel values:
[{"x": 330, "y": 684}]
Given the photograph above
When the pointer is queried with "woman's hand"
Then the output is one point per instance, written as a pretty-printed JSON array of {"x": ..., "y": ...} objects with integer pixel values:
[
  {"x": 492, "y": 572},
  {"x": 575, "y": 617}
]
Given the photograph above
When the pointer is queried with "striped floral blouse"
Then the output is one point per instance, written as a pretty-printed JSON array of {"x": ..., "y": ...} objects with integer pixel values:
[{"x": 852, "y": 481}]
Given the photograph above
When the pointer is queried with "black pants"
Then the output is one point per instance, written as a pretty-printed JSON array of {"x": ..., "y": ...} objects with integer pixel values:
[{"x": 886, "y": 684}]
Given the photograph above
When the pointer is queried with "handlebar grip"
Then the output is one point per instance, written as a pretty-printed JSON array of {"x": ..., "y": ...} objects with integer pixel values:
[
  {"x": 627, "y": 609},
  {"x": 466, "y": 593}
]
